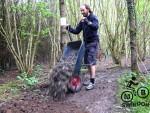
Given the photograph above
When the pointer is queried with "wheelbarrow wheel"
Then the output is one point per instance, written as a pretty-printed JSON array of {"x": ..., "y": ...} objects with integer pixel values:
[{"x": 74, "y": 84}]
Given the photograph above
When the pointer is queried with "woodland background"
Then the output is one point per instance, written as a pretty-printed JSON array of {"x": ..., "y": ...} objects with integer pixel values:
[{"x": 31, "y": 32}]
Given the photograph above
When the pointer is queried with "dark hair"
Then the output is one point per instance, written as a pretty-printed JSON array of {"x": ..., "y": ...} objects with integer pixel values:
[{"x": 88, "y": 7}]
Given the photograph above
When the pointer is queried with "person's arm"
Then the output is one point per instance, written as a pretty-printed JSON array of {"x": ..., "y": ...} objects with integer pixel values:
[
  {"x": 93, "y": 24},
  {"x": 77, "y": 30}
]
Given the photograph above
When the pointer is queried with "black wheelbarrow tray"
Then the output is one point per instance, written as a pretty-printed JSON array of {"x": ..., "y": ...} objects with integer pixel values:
[{"x": 78, "y": 48}]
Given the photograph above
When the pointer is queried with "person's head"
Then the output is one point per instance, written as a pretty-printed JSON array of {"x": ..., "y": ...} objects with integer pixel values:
[{"x": 85, "y": 10}]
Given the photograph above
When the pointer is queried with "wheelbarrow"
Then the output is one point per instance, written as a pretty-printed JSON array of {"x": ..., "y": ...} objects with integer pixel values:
[{"x": 78, "y": 47}]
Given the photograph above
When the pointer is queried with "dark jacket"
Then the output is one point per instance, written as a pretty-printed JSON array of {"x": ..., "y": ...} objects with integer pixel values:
[{"x": 90, "y": 30}]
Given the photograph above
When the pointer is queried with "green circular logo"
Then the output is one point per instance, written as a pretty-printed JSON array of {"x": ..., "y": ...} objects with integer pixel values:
[
  {"x": 127, "y": 96},
  {"x": 143, "y": 92}
]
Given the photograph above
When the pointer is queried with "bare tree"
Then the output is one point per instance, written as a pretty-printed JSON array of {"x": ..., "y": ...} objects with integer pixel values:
[
  {"x": 62, "y": 29},
  {"x": 132, "y": 24}
]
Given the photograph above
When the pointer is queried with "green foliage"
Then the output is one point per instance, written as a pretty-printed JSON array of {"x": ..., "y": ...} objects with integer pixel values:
[
  {"x": 142, "y": 13},
  {"x": 143, "y": 17},
  {"x": 27, "y": 23},
  {"x": 45, "y": 31},
  {"x": 140, "y": 5},
  {"x": 30, "y": 80},
  {"x": 12, "y": 89},
  {"x": 30, "y": 13},
  {"x": 42, "y": 7},
  {"x": 126, "y": 77},
  {"x": 27, "y": 80}
]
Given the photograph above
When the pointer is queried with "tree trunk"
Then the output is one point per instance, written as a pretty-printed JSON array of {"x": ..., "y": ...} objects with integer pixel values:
[
  {"x": 144, "y": 43},
  {"x": 132, "y": 24},
  {"x": 5, "y": 56},
  {"x": 62, "y": 29}
]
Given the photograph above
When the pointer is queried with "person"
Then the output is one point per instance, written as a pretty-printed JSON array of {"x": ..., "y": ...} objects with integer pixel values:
[{"x": 89, "y": 25}]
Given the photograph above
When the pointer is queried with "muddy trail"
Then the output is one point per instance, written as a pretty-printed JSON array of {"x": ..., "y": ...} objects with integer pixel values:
[{"x": 102, "y": 99}]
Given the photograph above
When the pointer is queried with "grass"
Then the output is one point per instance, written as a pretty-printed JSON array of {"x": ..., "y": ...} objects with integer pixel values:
[
  {"x": 137, "y": 104},
  {"x": 9, "y": 90}
]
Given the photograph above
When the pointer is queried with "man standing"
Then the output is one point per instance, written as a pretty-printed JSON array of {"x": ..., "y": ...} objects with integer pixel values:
[{"x": 89, "y": 26}]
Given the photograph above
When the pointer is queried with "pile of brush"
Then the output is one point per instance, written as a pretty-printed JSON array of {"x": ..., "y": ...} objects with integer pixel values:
[
  {"x": 61, "y": 74},
  {"x": 59, "y": 79}
]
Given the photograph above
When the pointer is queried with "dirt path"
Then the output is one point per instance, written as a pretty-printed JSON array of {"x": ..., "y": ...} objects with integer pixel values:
[{"x": 102, "y": 99}]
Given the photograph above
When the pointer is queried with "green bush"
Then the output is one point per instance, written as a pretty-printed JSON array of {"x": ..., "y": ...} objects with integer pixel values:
[{"x": 30, "y": 80}]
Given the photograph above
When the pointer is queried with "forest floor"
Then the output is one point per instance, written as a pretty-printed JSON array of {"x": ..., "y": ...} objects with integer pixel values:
[{"x": 102, "y": 99}]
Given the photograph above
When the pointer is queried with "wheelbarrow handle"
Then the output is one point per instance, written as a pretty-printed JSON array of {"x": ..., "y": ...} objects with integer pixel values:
[{"x": 70, "y": 36}]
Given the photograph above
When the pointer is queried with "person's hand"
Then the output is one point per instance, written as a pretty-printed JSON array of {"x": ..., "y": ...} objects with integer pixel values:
[
  {"x": 67, "y": 27},
  {"x": 84, "y": 19}
]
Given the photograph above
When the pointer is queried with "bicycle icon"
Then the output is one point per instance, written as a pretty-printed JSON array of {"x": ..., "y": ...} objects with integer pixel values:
[{"x": 127, "y": 96}]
